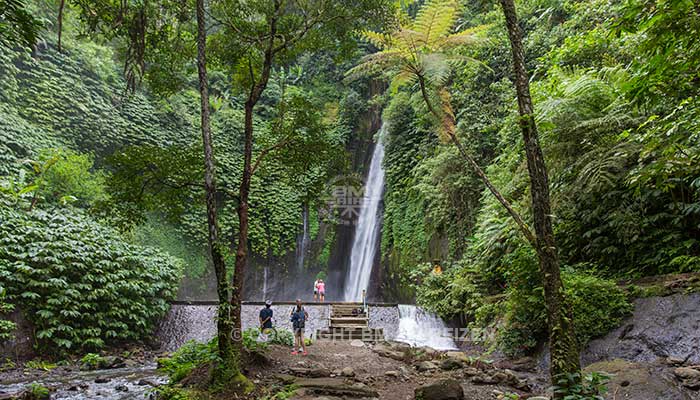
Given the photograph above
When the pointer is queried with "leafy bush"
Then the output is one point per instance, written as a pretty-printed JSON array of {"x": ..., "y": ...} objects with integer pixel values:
[
  {"x": 37, "y": 391},
  {"x": 575, "y": 387},
  {"x": 250, "y": 340},
  {"x": 284, "y": 337},
  {"x": 7, "y": 327},
  {"x": 599, "y": 305},
  {"x": 188, "y": 357},
  {"x": 91, "y": 361},
  {"x": 68, "y": 177},
  {"x": 78, "y": 282}
]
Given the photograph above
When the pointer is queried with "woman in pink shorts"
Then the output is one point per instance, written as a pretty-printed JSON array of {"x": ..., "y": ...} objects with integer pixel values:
[{"x": 321, "y": 289}]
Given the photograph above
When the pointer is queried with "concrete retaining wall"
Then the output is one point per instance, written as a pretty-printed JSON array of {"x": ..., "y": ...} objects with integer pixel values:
[{"x": 197, "y": 321}]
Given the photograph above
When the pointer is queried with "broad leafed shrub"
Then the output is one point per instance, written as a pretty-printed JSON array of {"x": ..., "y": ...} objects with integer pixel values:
[{"x": 78, "y": 282}]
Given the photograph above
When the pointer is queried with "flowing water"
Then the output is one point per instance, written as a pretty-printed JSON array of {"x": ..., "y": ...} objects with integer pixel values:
[
  {"x": 115, "y": 384},
  {"x": 368, "y": 226},
  {"x": 303, "y": 241},
  {"x": 418, "y": 327},
  {"x": 266, "y": 271}
]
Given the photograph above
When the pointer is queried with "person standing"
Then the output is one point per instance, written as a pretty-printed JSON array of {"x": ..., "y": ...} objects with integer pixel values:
[
  {"x": 266, "y": 317},
  {"x": 321, "y": 286},
  {"x": 299, "y": 317},
  {"x": 316, "y": 289}
]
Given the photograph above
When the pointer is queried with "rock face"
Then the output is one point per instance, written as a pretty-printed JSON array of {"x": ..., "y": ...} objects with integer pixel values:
[
  {"x": 335, "y": 387},
  {"x": 637, "y": 381},
  {"x": 660, "y": 327},
  {"x": 445, "y": 389},
  {"x": 689, "y": 376}
]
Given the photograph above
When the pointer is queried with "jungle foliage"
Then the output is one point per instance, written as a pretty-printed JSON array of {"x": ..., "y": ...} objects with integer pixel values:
[
  {"x": 80, "y": 285},
  {"x": 616, "y": 98}
]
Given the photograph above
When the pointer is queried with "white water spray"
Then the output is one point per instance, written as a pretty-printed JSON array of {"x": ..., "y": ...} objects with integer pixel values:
[
  {"x": 420, "y": 328},
  {"x": 364, "y": 244},
  {"x": 303, "y": 242},
  {"x": 265, "y": 271}
]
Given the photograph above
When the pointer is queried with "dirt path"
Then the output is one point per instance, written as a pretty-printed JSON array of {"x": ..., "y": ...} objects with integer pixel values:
[{"x": 391, "y": 379}]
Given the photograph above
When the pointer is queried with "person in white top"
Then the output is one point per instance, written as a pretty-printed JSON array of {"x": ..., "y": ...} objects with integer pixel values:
[{"x": 316, "y": 290}]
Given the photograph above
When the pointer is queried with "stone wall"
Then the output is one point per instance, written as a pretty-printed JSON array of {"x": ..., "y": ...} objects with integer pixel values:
[{"x": 197, "y": 322}]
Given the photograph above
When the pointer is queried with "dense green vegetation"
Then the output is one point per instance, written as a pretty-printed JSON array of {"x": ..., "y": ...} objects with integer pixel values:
[
  {"x": 229, "y": 118},
  {"x": 79, "y": 284},
  {"x": 621, "y": 144}
]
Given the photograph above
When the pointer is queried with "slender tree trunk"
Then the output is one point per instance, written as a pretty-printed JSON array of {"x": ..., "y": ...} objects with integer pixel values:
[
  {"x": 61, "y": 6},
  {"x": 448, "y": 123},
  {"x": 562, "y": 341},
  {"x": 242, "y": 210},
  {"x": 244, "y": 190},
  {"x": 224, "y": 327}
]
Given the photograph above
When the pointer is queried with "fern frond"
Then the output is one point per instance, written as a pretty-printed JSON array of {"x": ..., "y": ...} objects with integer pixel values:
[
  {"x": 379, "y": 40},
  {"x": 465, "y": 37},
  {"x": 435, "y": 19},
  {"x": 403, "y": 78},
  {"x": 604, "y": 168},
  {"x": 375, "y": 64},
  {"x": 435, "y": 68}
]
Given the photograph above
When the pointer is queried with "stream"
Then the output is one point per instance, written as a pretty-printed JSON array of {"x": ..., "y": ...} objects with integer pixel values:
[{"x": 69, "y": 383}]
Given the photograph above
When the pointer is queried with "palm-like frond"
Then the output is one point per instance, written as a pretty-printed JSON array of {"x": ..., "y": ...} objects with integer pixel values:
[
  {"x": 380, "y": 40},
  {"x": 376, "y": 63},
  {"x": 403, "y": 78},
  {"x": 600, "y": 168},
  {"x": 435, "y": 19},
  {"x": 465, "y": 37}
]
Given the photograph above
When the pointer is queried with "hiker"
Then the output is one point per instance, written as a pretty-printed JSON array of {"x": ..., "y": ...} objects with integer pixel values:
[
  {"x": 299, "y": 317},
  {"x": 266, "y": 316},
  {"x": 321, "y": 286},
  {"x": 316, "y": 289}
]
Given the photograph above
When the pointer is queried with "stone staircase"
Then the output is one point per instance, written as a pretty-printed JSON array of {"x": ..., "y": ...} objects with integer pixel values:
[{"x": 349, "y": 321}]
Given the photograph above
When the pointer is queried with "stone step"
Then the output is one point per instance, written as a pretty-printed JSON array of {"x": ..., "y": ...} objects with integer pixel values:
[
  {"x": 348, "y": 315},
  {"x": 349, "y": 320}
]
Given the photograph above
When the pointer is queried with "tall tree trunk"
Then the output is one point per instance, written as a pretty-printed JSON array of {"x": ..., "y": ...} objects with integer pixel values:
[
  {"x": 242, "y": 210},
  {"x": 224, "y": 327},
  {"x": 61, "y": 7},
  {"x": 562, "y": 341},
  {"x": 244, "y": 190}
]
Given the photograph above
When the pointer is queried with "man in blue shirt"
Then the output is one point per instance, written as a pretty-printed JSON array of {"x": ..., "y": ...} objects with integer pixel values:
[{"x": 266, "y": 316}]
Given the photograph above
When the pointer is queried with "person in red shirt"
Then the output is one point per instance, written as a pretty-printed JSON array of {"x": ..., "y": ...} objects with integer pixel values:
[{"x": 321, "y": 289}]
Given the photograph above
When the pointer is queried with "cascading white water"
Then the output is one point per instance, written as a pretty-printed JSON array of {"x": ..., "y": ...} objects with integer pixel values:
[
  {"x": 364, "y": 244},
  {"x": 265, "y": 271},
  {"x": 303, "y": 242},
  {"x": 420, "y": 328}
]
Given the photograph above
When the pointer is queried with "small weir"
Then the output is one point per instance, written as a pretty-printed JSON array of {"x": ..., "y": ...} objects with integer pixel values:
[{"x": 418, "y": 327}]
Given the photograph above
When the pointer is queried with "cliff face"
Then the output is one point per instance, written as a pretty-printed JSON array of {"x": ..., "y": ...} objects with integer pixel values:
[{"x": 292, "y": 276}]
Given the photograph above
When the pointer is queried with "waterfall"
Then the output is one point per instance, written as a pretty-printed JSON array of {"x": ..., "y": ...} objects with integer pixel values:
[
  {"x": 303, "y": 242},
  {"x": 265, "y": 272},
  {"x": 364, "y": 244},
  {"x": 420, "y": 328}
]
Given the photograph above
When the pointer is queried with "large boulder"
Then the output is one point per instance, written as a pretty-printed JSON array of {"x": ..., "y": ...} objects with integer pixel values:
[
  {"x": 425, "y": 366},
  {"x": 450, "y": 364},
  {"x": 638, "y": 381},
  {"x": 689, "y": 376},
  {"x": 335, "y": 387},
  {"x": 660, "y": 327},
  {"x": 445, "y": 389}
]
